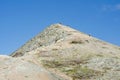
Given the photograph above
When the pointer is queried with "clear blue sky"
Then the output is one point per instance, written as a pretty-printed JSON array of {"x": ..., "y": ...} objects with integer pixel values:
[{"x": 20, "y": 20}]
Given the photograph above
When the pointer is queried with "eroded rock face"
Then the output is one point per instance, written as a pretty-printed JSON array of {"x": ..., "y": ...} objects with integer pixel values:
[{"x": 20, "y": 69}]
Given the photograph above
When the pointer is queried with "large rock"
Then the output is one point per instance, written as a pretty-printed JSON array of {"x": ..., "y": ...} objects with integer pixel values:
[{"x": 21, "y": 69}]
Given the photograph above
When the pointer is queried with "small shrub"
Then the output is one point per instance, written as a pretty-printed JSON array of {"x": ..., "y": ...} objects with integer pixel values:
[
  {"x": 52, "y": 64},
  {"x": 54, "y": 49},
  {"x": 104, "y": 47},
  {"x": 87, "y": 41},
  {"x": 99, "y": 55},
  {"x": 76, "y": 42},
  {"x": 18, "y": 54}
]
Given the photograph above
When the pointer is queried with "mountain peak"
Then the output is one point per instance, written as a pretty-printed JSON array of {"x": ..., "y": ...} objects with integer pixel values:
[
  {"x": 61, "y": 27},
  {"x": 72, "y": 55},
  {"x": 58, "y": 25},
  {"x": 49, "y": 36},
  {"x": 58, "y": 32}
]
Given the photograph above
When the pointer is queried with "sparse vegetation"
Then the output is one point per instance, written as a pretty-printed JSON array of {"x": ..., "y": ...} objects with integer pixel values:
[
  {"x": 72, "y": 67},
  {"x": 87, "y": 41},
  {"x": 99, "y": 55},
  {"x": 76, "y": 42},
  {"x": 79, "y": 72},
  {"x": 52, "y": 64},
  {"x": 54, "y": 49},
  {"x": 104, "y": 47},
  {"x": 18, "y": 54},
  {"x": 75, "y": 71}
]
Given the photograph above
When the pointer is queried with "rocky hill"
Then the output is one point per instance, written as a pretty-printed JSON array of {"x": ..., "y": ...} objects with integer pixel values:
[{"x": 62, "y": 53}]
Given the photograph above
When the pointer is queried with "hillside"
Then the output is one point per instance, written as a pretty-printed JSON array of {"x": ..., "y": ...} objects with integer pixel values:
[{"x": 67, "y": 54}]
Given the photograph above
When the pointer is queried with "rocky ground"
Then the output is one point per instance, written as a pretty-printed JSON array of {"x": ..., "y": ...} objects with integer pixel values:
[{"x": 62, "y": 53}]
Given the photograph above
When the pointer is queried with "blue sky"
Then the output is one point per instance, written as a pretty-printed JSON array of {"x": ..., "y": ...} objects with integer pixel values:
[{"x": 20, "y": 20}]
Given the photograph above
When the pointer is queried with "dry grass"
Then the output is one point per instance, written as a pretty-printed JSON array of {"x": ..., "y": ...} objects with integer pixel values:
[
  {"x": 79, "y": 72},
  {"x": 72, "y": 69},
  {"x": 72, "y": 66}
]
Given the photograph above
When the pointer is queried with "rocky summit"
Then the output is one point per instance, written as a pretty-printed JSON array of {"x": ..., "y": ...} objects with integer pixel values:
[{"x": 62, "y": 53}]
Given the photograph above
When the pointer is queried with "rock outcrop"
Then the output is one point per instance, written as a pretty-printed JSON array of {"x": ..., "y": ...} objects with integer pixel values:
[{"x": 23, "y": 69}]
